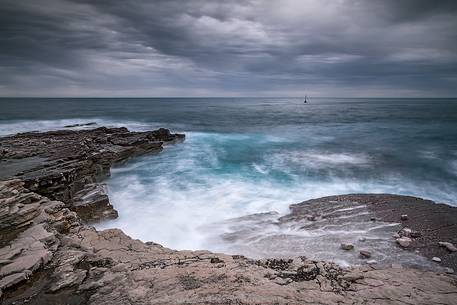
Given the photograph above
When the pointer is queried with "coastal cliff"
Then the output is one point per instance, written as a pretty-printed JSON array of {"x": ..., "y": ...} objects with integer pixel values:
[{"x": 52, "y": 189}]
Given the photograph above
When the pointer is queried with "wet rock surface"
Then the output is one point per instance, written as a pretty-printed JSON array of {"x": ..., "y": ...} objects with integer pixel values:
[
  {"x": 430, "y": 229},
  {"x": 67, "y": 165},
  {"x": 50, "y": 255},
  {"x": 428, "y": 223}
]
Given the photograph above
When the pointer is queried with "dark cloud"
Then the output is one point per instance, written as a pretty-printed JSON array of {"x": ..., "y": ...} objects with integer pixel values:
[{"x": 249, "y": 48}]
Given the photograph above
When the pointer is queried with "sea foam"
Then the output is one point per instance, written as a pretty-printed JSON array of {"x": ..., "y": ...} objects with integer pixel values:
[{"x": 208, "y": 193}]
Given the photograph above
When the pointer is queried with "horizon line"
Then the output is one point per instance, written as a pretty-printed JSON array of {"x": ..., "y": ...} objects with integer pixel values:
[{"x": 222, "y": 97}]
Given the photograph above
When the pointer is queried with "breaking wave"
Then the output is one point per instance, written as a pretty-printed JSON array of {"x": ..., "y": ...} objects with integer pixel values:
[{"x": 183, "y": 197}]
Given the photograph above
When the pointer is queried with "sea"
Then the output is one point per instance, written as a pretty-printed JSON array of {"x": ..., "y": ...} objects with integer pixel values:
[{"x": 245, "y": 156}]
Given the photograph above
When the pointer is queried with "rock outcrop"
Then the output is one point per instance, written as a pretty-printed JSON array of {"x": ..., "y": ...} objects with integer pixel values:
[
  {"x": 68, "y": 165},
  {"x": 50, "y": 255}
]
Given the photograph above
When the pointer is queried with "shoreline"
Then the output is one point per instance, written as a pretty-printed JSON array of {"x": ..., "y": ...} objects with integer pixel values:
[{"x": 61, "y": 190}]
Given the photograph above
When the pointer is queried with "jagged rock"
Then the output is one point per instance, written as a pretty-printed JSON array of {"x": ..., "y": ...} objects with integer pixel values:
[
  {"x": 448, "y": 245},
  {"x": 92, "y": 203},
  {"x": 449, "y": 270},
  {"x": 69, "y": 163},
  {"x": 29, "y": 252},
  {"x": 66, "y": 277},
  {"x": 13, "y": 279},
  {"x": 114, "y": 268}
]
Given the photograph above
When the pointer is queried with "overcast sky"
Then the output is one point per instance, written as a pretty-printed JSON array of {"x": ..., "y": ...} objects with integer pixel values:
[{"x": 228, "y": 48}]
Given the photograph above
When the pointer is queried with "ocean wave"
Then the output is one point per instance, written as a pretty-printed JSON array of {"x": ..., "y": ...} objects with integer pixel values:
[
  {"x": 175, "y": 197},
  {"x": 288, "y": 161},
  {"x": 184, "y": 197}
]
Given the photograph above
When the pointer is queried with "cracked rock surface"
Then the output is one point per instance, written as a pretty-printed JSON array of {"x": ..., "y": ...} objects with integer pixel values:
[{"x": 67, "y": 165}]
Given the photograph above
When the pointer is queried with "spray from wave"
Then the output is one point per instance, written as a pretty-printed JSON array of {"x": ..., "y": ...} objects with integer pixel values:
[{"x": 197, "y": 195}]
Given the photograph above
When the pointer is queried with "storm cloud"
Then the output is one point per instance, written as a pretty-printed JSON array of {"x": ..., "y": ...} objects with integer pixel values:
[{"x": 228, "y": 48}]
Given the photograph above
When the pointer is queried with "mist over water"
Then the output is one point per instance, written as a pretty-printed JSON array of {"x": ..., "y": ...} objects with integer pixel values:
[{"x": 249, "y": 156}]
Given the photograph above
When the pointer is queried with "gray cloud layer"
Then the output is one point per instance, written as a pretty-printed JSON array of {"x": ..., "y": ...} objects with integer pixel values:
[{"x": 226, "y": 48}]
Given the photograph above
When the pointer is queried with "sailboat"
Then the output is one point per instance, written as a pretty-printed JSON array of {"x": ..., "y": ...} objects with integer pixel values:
[{"x": 306, "y": 100}]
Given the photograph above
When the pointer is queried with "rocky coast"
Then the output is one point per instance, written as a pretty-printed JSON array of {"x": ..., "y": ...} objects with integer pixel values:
[{"x": 52, "y": 190}]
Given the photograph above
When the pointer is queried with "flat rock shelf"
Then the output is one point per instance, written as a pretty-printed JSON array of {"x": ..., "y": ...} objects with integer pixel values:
[{"x": 52, "y": 188}]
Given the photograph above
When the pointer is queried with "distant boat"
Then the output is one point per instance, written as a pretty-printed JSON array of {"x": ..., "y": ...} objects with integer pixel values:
[{"x": 306, "y": 100}]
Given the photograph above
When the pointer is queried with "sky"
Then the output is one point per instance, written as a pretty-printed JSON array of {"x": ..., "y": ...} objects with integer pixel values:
[{"x": 140, "y": 48}]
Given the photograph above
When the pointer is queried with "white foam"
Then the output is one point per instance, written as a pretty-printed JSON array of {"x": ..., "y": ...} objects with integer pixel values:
[
  {"x": 183, "y": 197},
  {"x": 188, "y": 196},
  {"x": 173, "y": 214},
  {"x": 316, "y": 160}
]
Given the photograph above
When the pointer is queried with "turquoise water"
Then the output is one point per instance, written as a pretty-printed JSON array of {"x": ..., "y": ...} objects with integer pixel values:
[{"x": 245, "y": 156}]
